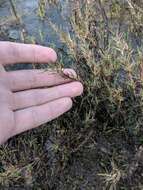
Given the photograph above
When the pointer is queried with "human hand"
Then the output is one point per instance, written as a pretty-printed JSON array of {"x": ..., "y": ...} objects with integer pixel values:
[{"x": 29, "y": 98}]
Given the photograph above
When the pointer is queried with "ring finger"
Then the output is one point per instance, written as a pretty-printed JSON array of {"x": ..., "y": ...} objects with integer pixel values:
[{"x": 29, "y": 79}]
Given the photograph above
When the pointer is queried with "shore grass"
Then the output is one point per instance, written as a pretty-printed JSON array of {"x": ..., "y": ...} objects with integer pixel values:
[{"x": 99, "y": 143}]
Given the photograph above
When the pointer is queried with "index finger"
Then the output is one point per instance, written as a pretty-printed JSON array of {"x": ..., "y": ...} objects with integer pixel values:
[{"x": 11, "y": 53}]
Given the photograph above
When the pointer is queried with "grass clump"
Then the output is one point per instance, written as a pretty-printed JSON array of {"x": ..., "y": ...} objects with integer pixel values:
[
  {"x": 110, "y": 109},
  {"x": 99, "y": 143}
]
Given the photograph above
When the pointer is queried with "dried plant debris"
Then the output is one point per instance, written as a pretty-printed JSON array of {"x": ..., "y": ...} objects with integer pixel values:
[{"x": 98, "y": 144}]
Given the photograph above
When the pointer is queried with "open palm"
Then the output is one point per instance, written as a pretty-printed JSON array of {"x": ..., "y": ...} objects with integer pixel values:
[{"x": 29, "y": 98}]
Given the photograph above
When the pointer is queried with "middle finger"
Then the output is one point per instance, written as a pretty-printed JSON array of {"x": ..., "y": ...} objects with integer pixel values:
[
  {"x": 36, "y": 97},
  {"x": 29, "y": 79}
]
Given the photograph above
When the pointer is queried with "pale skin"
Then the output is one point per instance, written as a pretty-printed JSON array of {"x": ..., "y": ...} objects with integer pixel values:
[{"x": 30, "y": 98}]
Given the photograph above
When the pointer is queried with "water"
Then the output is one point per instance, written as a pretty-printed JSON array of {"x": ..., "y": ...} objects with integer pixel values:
[
  {"x": 28, "y": 12},
  {"x": 37, "y": 30}
]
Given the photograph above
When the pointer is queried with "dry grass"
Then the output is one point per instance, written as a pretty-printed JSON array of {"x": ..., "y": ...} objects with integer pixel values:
[{"x": 98, "y": 144}]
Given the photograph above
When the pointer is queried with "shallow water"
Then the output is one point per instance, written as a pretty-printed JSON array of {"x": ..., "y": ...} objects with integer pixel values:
[
  {"x": 28, "y": 12},
  {"x": 37, "y": 30}
]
